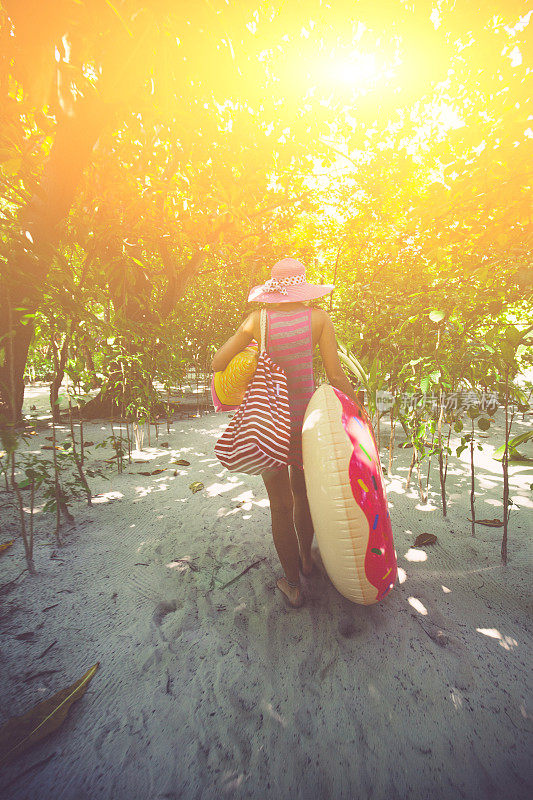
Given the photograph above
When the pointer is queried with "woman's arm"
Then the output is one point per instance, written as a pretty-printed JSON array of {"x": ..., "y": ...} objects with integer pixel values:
[
  {"x": 330, "y": 358},
  {"x": 242, "y": 337}
]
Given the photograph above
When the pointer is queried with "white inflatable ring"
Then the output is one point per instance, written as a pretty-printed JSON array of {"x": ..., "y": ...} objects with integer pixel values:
[{"x": 347, "y": 497}]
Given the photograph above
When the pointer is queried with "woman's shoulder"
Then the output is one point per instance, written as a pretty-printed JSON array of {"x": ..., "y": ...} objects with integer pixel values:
[
  {"x": 252, "y": 323},
  {"x": 254, "y": 316},
  {"x": 319, "y": 316}
]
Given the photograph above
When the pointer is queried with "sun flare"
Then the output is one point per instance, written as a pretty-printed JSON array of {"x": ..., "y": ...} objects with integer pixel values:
[{"x": 361, "y": 68}]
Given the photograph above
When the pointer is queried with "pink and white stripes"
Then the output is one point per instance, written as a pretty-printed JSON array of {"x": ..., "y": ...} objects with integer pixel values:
[{"x": 258, "y": 436}]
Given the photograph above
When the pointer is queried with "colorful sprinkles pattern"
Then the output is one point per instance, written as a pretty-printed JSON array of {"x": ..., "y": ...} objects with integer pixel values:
[
  {"x": 380, "y": 558},
  {"x": 365, "y": 452}
]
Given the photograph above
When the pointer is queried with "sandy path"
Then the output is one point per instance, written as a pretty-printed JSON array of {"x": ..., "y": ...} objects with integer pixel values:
[{"x": 206, "y": 692}]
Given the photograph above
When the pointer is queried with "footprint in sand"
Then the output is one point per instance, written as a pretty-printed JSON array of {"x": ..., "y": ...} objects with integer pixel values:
[
  {"x": 161, "y": 611},
  {"x": 349, "y": 628},
  {"x": 303, "y": 720},
  {"x": 436, "y": 627}
]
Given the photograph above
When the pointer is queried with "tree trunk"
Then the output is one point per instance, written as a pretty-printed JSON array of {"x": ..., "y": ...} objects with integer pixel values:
[
  {"x": 14, "y": 366},
  {"x": 392, "y": 432},
  {"x": 410, "y": 472},
  {"x": 472, "y": 483},
  {"x": 60, "y": 359},
  {"x": 441, "y": 455},
  {"x": 40, "y": 221},
  {"x": 505, "y": 468},
  {"x": 89, "y": 364}
]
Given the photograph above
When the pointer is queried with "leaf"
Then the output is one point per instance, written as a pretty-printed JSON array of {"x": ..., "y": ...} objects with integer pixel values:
[
  {"x": 182, "y": 462},
  {"x": 483, "y": 424},
  {"x": 375, "y": 371},
  {"x": 196, "y": 487},
  {"x": 19, "y": 733},
  {"x": 425, "y": 539},
  {"x": 156, "y": 471},
  {"x": 520, "y": 439},
  {"x": 490, "y": 523},
  {"x": 512, "y": 445},
  {"x": 353, "y": 365},
  {"x": 5, "y": 545},
  {"x": 436, "y": 316}
]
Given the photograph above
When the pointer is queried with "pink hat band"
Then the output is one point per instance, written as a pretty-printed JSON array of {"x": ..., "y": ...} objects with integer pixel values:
[{"x": 288, "y": 284}]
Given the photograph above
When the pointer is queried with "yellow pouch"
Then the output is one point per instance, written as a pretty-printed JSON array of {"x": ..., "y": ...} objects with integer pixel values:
[{"x": 232, "y": 382}]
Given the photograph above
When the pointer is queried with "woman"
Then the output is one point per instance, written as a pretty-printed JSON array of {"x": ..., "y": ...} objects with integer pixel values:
[{"x": 293, "y": 331}]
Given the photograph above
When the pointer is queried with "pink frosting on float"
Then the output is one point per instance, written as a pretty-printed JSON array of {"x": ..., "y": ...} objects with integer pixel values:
[{"x": 368, "y": 489}]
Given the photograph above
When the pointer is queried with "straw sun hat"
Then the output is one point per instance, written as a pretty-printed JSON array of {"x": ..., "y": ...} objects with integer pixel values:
[{"x": 287, "y": 284}]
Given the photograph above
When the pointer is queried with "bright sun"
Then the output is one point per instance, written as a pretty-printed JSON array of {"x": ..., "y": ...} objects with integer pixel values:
[{"x": 361, "y": 68}]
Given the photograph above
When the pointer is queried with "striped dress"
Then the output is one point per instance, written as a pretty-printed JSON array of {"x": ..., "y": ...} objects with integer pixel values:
[{"x": 290, "y": 345}]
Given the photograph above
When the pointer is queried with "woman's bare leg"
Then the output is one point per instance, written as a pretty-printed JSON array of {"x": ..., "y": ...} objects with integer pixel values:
[
  {"x": 280, "y": 495},
  {"x": 302, "y": 519}
]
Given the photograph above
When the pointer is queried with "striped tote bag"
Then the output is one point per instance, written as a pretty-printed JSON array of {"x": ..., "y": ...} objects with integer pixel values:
[{"x": 258, "y": 436}]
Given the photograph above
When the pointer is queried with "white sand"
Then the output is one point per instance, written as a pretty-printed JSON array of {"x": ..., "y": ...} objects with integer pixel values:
[{"x": 209, "y": 692}]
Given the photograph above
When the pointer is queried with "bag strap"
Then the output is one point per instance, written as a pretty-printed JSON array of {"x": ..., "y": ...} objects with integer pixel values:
[{"x": 262, "y": 345}]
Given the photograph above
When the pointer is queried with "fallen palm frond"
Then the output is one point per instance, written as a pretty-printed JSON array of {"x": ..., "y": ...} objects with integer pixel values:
[
  {"x": 244, "y": 571},
  {"x": 424, "y": 539},
  {"x": 19, "y": 733},
  {"x": 490, "y": 523},
  {"x": 5, "y": 545}
]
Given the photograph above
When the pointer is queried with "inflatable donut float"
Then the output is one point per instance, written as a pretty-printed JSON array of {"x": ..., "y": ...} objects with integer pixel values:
[
  {"x": 228, "y": 387},
  {"x": 347, "y": 497}
]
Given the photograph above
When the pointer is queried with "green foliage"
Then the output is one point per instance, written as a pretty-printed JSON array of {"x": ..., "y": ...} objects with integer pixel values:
[
  {"x": 515, "y": 457},
  {"x": 39, "y": 471},
  {"x": 225, "y": 151}
]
